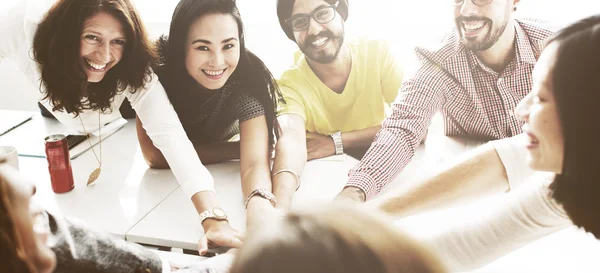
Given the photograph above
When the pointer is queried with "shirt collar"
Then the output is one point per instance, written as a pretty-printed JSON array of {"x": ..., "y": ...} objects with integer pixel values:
[
  {"x": 524, "y": 50},
  {"x": 524, "y": 46}
]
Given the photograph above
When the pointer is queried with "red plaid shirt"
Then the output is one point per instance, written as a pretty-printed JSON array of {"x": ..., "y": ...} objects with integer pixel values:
[{"x": 475, "y": 101}]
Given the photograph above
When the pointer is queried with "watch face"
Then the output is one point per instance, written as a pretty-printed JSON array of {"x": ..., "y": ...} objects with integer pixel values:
[{"x": 218, "y": 212}]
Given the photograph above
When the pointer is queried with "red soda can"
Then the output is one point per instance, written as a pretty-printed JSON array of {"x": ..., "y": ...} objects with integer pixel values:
[{"x": 59, "y": 163}]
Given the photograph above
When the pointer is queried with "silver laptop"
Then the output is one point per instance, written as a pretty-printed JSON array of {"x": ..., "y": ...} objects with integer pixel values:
[{"x": 10, "y": 119}]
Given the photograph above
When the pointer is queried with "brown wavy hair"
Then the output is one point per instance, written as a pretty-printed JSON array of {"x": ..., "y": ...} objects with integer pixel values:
[
  {"x": 11, "y": 251},
  {"x": 335, "y": 239},
  {"x": 56, "y": 48}
]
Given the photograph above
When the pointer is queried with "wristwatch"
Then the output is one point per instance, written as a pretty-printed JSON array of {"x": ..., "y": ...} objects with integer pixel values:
[
  {"x": 264, "y": 194},
  {"x": 214, "y": 213},
  {"x": 337, "y": 141}
]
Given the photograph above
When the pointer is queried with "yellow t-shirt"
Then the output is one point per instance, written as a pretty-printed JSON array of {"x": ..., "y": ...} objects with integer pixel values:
[{"x": 372, "y": 86}]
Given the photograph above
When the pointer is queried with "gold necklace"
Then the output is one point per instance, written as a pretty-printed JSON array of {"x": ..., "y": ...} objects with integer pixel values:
[{"x": 96, "y": 173}]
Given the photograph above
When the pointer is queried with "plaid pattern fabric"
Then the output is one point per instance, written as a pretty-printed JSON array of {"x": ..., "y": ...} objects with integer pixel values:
[{"x": 475, "y": 101}]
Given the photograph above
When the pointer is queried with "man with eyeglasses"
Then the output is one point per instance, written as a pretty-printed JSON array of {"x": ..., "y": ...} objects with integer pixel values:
[
  {"x": 475, "y": 77},
  {"x": 336, "y": 95}
]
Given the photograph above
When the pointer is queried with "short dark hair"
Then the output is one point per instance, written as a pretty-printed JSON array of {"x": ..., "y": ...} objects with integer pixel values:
[
  {"x": 576, "y": 88},
  {"x": 56, "y": 48},
  {"x": 285, "y": 7},
  {"x": 251, "y": 72}
]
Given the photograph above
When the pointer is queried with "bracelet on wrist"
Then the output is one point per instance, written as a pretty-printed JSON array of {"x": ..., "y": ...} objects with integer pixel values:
[{"x": 289, "y": 171}]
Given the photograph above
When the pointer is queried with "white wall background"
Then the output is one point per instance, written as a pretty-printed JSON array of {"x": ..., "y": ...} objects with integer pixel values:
[{"x": 403, "y": 22}]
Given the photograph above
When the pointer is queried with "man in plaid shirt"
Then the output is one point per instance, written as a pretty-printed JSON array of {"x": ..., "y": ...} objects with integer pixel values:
[{"x": 476, "y": 77}]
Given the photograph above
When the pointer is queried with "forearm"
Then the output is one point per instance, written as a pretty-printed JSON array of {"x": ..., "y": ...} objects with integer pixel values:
[
  {"x": 208, "y": 153},
  {"x": 290, "y": 154},
  {"x": 218, "y": 152},
  {"x": 479, "y": 173},
  {"x": 256, "y": 176},
  {"x": 359, "y": 138},
  {"x": 518, "y": 218},
  {"x": 154, "y": 158},
  {"x": 203, "y": 201}
]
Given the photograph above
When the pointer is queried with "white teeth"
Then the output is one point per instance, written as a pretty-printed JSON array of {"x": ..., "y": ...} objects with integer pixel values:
[
  {"x": 213, "y": 72},
  {"x": 95, "y": 65},
  {"x": 320, "y": 42},
  {"x": 473, "y": 25}
]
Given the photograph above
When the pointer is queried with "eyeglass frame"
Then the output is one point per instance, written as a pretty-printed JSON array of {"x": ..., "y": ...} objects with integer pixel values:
[
  {"x": 472, "y": 1},
  {"x": 312, "y": 16}
]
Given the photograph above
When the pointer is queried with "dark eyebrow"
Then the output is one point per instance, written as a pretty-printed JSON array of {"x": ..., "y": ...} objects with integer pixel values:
[
  {"x": 208, "y": 42},
  {"x": 201, "y": 41},
  {"x": 228, "y": 40}
]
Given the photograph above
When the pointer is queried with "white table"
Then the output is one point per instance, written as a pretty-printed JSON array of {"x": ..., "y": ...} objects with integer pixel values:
[
  {"x": 322, "y": 180},
  {"x": 123, "y": 194},
  {"x": 143, "y": 205}
]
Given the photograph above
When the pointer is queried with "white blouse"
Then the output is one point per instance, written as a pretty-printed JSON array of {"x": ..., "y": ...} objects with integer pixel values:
[
  {"x": 527, "y": 214},
  {"x": 17, "y": 29}
]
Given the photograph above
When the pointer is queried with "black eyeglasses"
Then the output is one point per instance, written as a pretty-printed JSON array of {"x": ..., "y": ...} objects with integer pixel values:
[
  {"x": 322, "y": 15},
  {"x": 458, "y": 3}
]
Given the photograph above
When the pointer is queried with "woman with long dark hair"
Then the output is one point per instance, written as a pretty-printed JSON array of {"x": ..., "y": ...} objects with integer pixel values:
[
  {"x": 219, "y": 89},
  {"x": 85, "y": 57}
]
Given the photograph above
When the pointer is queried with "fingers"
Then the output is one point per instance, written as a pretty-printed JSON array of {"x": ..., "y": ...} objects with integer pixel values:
[
  {"x": 241, "y": 236},
  {"x": 236, "y": 242},
  {"x": 203, "y": 245}
]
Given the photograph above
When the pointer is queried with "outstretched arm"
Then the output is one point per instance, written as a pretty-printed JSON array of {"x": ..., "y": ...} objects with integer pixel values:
[
  {"x": 355, "y": 143},
  {"x": 255, "y": 168},
  {"x": 290, "y": 153},
  {"x": 478, "y": 173},
  {"x": 12, "y": 30},
  {"x": 208, "y": 153},
  {"x": 498, "y": 166},
  {"x": 520, "y": 217}
]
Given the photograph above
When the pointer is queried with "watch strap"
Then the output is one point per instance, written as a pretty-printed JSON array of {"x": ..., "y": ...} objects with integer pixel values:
[
  {"x": 210, "y": 214},
  {"x": 264, "y": 194},
  {"x": 337, "y": 141}
]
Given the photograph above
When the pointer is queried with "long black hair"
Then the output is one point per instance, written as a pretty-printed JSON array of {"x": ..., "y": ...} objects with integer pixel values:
[
  {"x": 251, "y": 72},
  {"x": 576, "y": 88}
]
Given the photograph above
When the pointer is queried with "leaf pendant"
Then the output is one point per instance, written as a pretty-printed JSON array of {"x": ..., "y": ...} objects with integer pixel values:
[{"x": 93, "y": 176}]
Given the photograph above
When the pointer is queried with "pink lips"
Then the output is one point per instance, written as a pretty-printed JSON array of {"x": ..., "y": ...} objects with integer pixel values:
[{"x": 533, "y": 141}]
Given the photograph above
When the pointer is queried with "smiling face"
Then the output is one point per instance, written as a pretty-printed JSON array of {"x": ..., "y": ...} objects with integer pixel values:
[
  {"x": 320, "y": 42},
  {"x": 212, "y": 50},
  {"x": 480, "y": 27},
  {"x": 102, "y": 45},
  {"x": 30, "y": 221},
  {"x": 540, "y": 113}
]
